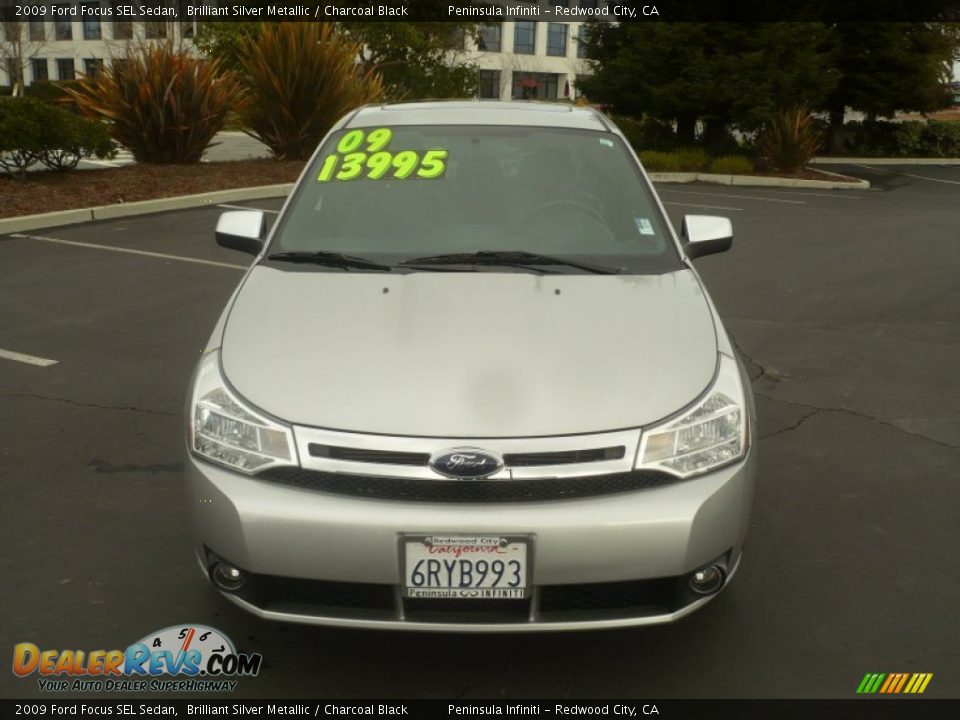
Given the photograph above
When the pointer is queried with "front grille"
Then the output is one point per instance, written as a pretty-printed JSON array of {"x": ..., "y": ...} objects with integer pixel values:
[
  {"x": 563, "y": 457},
  {"x": 468, "y": 611},
  {"x": 467, "y": 491},
  {"x": 321, "y": 597},
  {"x": 625, "y": 599},
  {"x": 530, "y": 459},
  {"x": 387, "y": 457},
  {"x": 552, "y": 603}
]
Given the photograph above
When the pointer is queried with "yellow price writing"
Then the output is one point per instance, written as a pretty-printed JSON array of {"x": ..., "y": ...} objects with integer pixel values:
[{"x": 382, "y": 163}]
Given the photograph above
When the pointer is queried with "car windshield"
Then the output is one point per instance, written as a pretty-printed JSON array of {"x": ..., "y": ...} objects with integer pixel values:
[{"x": 403, "y": 193}]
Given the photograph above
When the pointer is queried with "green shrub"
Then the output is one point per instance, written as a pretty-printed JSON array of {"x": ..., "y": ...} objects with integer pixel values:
[
  {"x": 692, "y": 159},
  {"x": 683, "y": 160},
  {"x": 647, "y": 134},
  {"x": 657, "y": 161},
  {"x": 731, "y": 165},
  {"x": 939, "y": 139},
  {"x": 299, "y": 79},
  {"x": 914, "y": 138},
  {"x": 23, "y": 125},
  {"x": 162, "y": 103},
  {"x": 790, "y": 139},
  {"x": 53, "y": 92},
  {"x": 5, "y": 90},
  {"x": 74, "y": 138},
  {"x": 33, "y": 131}
]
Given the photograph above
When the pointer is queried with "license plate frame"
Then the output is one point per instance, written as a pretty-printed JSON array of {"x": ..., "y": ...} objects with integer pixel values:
[{"x": 515, "y": 546}]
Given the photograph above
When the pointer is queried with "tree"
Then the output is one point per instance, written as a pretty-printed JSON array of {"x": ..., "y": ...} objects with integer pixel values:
[
  {"x": 20, "y": 42},
  {"x": 717, "y": 73},
  {"x": 884, "y": 67},
  {"x": 419, "y": 59}
]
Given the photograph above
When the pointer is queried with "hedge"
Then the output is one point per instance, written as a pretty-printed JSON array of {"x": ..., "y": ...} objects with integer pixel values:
[{"x": 33, "y": 131}]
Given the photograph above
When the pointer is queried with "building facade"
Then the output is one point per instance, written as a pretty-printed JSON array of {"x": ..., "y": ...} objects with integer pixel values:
[
  {"x": 529, "y": 60},
  {"x": 65, "y": 43},
  {"x": 517, "y": 59}
]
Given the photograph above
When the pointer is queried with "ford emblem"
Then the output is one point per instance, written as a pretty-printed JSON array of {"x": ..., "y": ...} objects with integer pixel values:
[{"x": 466, "y": 462}]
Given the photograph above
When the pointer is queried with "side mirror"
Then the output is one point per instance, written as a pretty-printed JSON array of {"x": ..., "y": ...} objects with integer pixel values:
[
  {"x": 241, "y": 230},
  {"x": 705, "y": 235}
]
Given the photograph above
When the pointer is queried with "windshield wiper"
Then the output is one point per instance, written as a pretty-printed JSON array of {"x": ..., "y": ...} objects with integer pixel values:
[
  {"x": 330, "y": 259},
  {"x": 516, "y": 258}
]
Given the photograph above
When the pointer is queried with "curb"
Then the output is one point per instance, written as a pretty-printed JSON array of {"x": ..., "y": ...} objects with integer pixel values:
[
  {"x": 756, "y": 181},
  {"x": 883, "y": 161},
  {"x": 143, "y": 207}
]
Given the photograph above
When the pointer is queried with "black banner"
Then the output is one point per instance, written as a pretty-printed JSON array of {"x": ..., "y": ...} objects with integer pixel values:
[
  {"x": 872, "y": 708},
  {"x": 484, "y": 10}
]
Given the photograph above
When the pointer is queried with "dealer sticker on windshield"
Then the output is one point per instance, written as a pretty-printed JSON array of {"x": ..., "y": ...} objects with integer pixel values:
[
  {"x": 461, "y": 566},
  {"x": 366, "y": 154}
]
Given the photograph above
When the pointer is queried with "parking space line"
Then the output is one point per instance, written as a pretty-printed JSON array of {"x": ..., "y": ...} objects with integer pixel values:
[
  {"x": 163, "y": 256},
  {"x": 742, "y": 197},
  {"x": 701, "y": 205},
  {"x": 29, "y": 359},
  {"x": 244, "y": 207},
  {"x": 838, "y": 196},
  {"x": 911, "y": 175}
]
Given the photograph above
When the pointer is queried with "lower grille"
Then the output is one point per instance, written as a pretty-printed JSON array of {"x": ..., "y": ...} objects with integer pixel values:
[
  {"x": 321, "y": 597},
  {"x": 553, "y": 603},
  {"x": 467, "y": 491}
]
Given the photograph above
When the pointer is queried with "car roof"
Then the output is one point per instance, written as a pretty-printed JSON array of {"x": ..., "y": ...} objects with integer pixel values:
[{"x": 480, "y": 112}]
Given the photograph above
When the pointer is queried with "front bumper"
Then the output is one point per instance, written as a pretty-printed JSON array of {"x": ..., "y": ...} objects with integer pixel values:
[{"x": 328, "y": 559}]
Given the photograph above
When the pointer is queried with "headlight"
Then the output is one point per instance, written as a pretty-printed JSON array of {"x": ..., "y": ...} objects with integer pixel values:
[
  {"x": 709, "y": 435},
  {"x": 225, "y": 431}
]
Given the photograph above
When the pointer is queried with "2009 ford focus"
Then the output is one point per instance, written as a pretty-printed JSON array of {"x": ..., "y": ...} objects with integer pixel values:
[{"x": 471, "y": 382}]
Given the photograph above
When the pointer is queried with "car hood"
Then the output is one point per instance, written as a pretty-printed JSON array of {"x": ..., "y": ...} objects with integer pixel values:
[{"x": 471, "y": 355}]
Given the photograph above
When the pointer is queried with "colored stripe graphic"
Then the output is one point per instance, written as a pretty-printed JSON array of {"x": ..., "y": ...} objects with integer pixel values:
[{"x": 894, "y": 683}]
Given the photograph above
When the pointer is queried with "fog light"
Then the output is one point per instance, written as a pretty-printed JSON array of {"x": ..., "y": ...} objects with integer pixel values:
[
  {"x": 707, "y": 580},
  {"x": 227, "y": 577}
]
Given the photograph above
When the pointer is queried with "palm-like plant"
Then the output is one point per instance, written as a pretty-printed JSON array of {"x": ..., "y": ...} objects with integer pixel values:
[
  {"x": 299, "y": 79},
  {"x": 162, "y": 103},
  {"x": 790, "y": 140}
]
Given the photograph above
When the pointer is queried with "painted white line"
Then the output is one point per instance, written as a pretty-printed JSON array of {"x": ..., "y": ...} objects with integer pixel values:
[
  {"x": 742, "y": 197},
  {"x": 814, "y": 194},
  {"x": 911, "y": 175},
  {"x": 244, "y": 207},
  {"x": 712, "y": 207},
  {"x": 29, "y": 359},
  {"x": 94, "y": 246}
]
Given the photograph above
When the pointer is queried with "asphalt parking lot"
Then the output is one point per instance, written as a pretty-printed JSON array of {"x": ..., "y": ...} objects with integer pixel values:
[{"x": 845, "y": 305}]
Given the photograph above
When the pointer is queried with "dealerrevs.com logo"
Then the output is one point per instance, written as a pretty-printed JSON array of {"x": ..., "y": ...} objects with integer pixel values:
[{"x": 200, "y": 658}]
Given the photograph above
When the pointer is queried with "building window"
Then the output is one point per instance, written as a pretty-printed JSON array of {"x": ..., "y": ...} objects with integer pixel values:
[
  {"x": 524, "y": 37},
  {"x": 92, "y": 67},
  {"x": 530, "y": 86},
  {"x": 38, "y": 31},
  {"x": 122, "y": 30},
  {"x": 154, "y": 30},
  {"x": 582, "y": 41},
  {"x": 91, "y": 23},
  {"x": 557, "y": 39},
  {"x": 65, "y": 69},
  {"x": 118, "y": 65},
  {"x": 490, "y": 37},
  {"x": 63, "y": 29},
  {"x": 489, "y": 84},
  {"x": 39, "y": 66}
]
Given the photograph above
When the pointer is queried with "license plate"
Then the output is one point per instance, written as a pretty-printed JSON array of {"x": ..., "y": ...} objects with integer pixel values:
[{"x": 486, "y": 567}]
